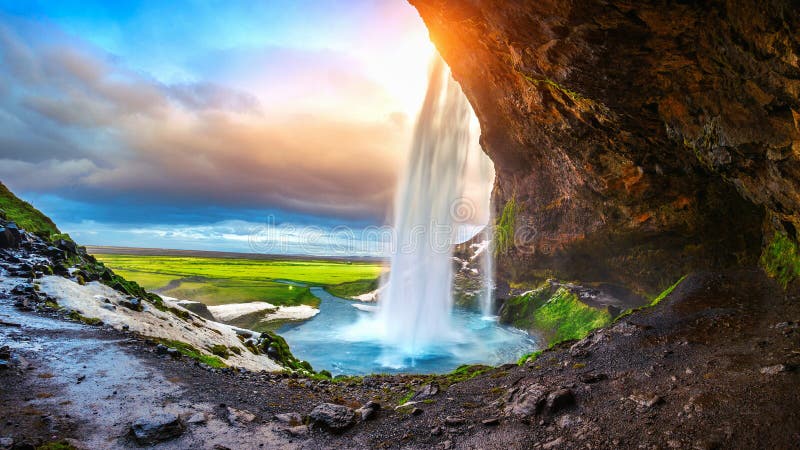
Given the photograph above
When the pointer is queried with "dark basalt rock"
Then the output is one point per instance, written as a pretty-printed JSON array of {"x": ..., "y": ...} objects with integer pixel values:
[
  {"x": 333, "y": 417},
  {"x": 158, "y": 428},
  {"x": 633, "y": 142}
]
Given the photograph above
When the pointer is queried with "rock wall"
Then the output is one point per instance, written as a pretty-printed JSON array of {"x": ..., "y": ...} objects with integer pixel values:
[{"x": 637, "y": 140}]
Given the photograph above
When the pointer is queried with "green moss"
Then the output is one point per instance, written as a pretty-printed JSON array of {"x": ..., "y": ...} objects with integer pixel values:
[
  {"x": 56, "y": 445},
  {"x": 74, "y": 315},
  {"x": 190, "y": 351},
  {"x": 656, "y": 300},
  {"x": 559, "y": 315},
  {"x": 353, "y": 288},
  {"x": 529, "y": 357},
  {"x": 25, "y": 215},
  {"x": 780, "y": 259},
  {"x": 284, "y": 355},
  {"x": 406, "y": 398},
  {"x": 576, "y": 97},
  {"x": 52, "y": 305},
  {"x": 506, "y": 226},
  {"x": 466, "y": 372},
  {"x": 219, "y": 350},
  {"x": 565, "y": 317},
  {"x": 666, "y": 292}
]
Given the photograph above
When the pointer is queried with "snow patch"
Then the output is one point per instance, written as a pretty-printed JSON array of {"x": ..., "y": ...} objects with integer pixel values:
[{"x": 100, "y": 301}]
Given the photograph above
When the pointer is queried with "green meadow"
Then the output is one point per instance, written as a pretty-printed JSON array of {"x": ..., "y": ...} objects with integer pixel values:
[{"x": 216, "y": 281}]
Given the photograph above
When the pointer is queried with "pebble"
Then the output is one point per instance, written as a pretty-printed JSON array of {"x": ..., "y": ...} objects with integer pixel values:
[{"x": 773, "y": 370}]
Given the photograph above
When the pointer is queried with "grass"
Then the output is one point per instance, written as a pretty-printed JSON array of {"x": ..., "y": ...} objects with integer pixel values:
[
  {"x": 781, "y": 260},
  {"x": 26, "y": 216},
  {"x": 217, "y": 281},
  {"x": 191, "y": 352},
  {"x": 353, "y": 288},
  {"x": 148, "y": 280},
  {"x": 220, "y": 292}
]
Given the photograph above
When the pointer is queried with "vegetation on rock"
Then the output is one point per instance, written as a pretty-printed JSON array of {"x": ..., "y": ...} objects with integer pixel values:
[
  {"x": 506, "y": 227},
  {"x": 353, "y": 288},
  {"x": 28, "y": 217},
  {"x": 781, "y": 259},
  {"x": 554, "y": 312},
  {"x": 191, "y": 352}
]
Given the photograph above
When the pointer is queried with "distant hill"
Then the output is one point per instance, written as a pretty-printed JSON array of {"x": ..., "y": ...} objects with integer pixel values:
[{"x": 110, "y": 250}]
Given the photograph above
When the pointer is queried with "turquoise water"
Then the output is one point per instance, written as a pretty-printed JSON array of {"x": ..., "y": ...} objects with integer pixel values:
[{"x": 343, "y": 340}]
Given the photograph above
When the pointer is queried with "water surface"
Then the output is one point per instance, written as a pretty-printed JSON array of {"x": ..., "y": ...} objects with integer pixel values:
[{"x": 337, "y": 340}]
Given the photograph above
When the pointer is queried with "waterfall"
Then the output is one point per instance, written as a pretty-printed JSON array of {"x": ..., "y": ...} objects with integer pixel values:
[
  {"x": 414, "y": 309},
  {"x": 487, "y": 270}
]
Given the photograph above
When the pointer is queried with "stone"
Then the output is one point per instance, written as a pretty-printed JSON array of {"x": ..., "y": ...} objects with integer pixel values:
[
  {"x": 291, "y": 418},
  {"x": 646, "y": 400},
  {"x": 559, "y": 400},
  {"x": 426, "y": 392},
  {"x": 132, "y": 303},
  {"x": 196, "y": 419},
  {"x": 6, "y": 442},
  {"x": 297, "y": 431},
  {"x": 8, "y": 239},
  {"x": 156, "y": 428},
  {"x": 526, "y": 401},
  {"x": 447, "y": 445},
  {"x": 369, "y": 410},
  {"x": 239, "y": 417},
  {"x": 454, "y": 421},
  {"x": 590, "y": 378},
  {"x": 333, "y": 417},
  {"x": 774, "y": 370},
  {"x": 173, "y": 352},
  {"x": 553, "y": 444},
  {"x": 161, "y": 349}
]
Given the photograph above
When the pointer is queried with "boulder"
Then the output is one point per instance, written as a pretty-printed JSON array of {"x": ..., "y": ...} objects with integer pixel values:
[
  {"x": 333, "y": 417},
  {"x": 239, "y": 417},
  {"x": 427, "y": 391},
  {"x": 526, "y": 401},
  {"x": 8, "y": 239},
  {"x": 369, "y": 410},
  {"x": 156, "y": 428}
]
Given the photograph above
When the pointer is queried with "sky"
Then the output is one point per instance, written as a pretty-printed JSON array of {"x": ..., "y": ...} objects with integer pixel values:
[{"x": 212, "y": 125}]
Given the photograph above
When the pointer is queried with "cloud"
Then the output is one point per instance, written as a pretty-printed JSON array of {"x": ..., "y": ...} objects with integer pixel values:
[{"x": 82, "y": 124}]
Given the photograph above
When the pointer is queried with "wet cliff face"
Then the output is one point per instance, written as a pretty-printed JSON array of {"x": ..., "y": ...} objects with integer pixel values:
[{"x": 633, "y": 142}]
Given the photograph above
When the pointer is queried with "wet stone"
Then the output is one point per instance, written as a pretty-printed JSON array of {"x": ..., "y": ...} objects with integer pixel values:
[
  {"x": 333, "y": 417},
  {"x": 156, "y": 428}
]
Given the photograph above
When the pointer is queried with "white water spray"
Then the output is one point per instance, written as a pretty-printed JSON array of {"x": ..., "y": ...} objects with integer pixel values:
[{"x": 415, "y": 307}]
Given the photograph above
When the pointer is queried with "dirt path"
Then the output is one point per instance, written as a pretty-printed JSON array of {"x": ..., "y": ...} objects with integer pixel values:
[{"x": 713, "y": 366}]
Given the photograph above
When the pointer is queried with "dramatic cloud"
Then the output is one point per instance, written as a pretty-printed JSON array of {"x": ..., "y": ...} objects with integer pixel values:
[{"x": 102, "y": 130}]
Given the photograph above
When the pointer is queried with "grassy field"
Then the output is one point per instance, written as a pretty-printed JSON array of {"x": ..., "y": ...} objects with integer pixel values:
[{"x": 215, "y": 281}]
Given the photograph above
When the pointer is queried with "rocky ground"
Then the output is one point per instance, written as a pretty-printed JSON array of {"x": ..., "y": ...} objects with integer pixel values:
[{"x": 712, "y": 366}]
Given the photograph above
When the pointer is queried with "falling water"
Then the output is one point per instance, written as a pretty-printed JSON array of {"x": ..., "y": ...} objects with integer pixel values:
[
  {"x": 415, "y": 306},
  {"x": 487, "y": 271},
  {"x": 415, "y": 324}
]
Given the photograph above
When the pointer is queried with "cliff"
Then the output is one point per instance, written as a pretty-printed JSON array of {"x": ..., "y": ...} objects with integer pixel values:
[{"x": 634, "y": 142}]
